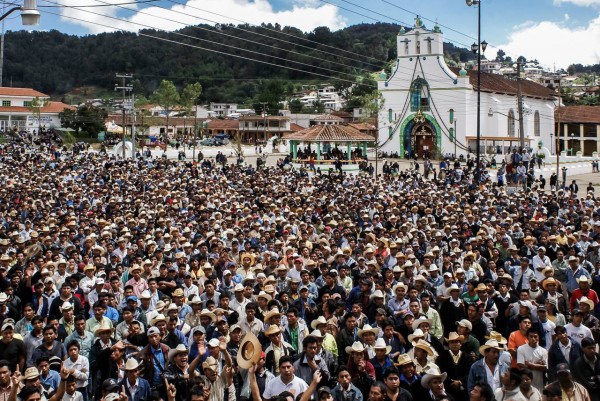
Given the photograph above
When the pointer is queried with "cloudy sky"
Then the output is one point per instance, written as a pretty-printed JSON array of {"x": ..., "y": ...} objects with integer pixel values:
[{"x": 555, "y": 32}]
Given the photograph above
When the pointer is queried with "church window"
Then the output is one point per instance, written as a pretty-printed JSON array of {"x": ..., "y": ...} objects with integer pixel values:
[
  {"x": 511, "y": 123},
  {"x": 536, "y": 123},
  {"x": 418, "y": 47},
  {"x": 390, "y": 115},
  {"x": 419, "y": 95}
]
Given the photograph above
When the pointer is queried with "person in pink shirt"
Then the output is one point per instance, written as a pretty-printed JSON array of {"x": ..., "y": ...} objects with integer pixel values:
[{"x": 138, "y": 283}]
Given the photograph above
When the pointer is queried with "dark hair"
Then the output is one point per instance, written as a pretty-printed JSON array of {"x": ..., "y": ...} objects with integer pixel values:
[
  {"x": 532, "y": 330},
  {"x": 28, "y": 392},
  {"x": 41, "y": 359},
  {"x": 341, "y": 369},
  {"x": 382, "y": 387},
  {"x": 250, "y": 305},
  {"x": 3, "y": 363},
  {"x": 98, "y": 304},
  {"x": 79, "y": 318},
  {"x": 129, "y": 309},
  {"x": 36, "y": 318},
  {"x": 390, "y": 371},
  {"x": 425, "y": 295},
  {"x": 308, "y": 340},
  {"x": 286, "y": 358},
  {"x": 485, "y": 391},
  {"x": 527, "y": 372},
  {"x": 560, "y": 330},
  {"x": 293, "y": 310},
  {"x": 515, "y": 375},
  {"x": 73, "y": 343},
  {"x": 49, "y": 327}
]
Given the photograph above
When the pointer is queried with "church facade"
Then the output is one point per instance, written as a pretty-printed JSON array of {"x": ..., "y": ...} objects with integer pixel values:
[{"x": 430, "y": 109}]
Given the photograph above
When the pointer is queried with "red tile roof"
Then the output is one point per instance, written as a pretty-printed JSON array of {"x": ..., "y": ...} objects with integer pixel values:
[
  {"x": 330, "y": 133},
  {"x": 224, "y": 124},
  {"x": 4, "y": 91},
  {"x": 496, "y": 83},
  {"x": 327, "y": 117},
  {"x": 52, "y": 107},
  {"x": 295, "y": 127},
  {"x": 578, "y": 114}
]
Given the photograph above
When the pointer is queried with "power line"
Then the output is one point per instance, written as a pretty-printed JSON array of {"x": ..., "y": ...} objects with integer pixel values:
[
  {"x": 101, "y": 5},
  {"x": 283, "y": 33}
]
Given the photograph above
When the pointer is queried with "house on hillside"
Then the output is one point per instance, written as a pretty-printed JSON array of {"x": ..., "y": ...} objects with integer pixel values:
[
  {"x": 16, "y": 111},
  {"x": 431, "y": 109}
]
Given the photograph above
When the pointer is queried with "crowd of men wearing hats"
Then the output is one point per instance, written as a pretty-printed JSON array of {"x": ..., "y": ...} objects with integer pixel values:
[{"x": 158, "y": 279}]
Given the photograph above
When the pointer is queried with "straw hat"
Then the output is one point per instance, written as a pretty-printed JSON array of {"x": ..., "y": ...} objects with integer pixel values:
[
  {"x": 273, "y": 329},
  {"x": 320, "y": 320},
  {"x": 421, "y": 320},
  {"x": 494, "y": 335},
  {"x": 548, "y": 281},
  {"x": 490, "y": 344},
  {"x": 30, "y": 373},
  {"x": 418, "y": 333},
  {"x": 404, "y": 359},
  {"x": 212, "y": 364},
  {"x": 380, "y": 344},
  {"x": 357, "y": 346},
  {"x": 368, "y": 329},
  {"x": 587, "y": 301},
  {"x": 432, "y": 374},
  {"x": 453, "y": 287},
  {"x": 264, "y": 295},
  {"x": 249, "y": 351},
  {"x": 206, "y": 312},
  {"x": 132, "y": 364},
  {"x": 424, "y": 345},
  {"x": 102, "y": 329},
  {"x": 181, "y": 349},
  {"x": 454, "y": 337},
  {"x": 272, "y": 313}
]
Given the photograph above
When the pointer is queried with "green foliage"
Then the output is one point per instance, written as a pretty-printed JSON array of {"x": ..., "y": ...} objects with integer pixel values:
[
  {"x": 92, "y": 60},
  {"x": 295, "y": 106},
  {"x": 85, "y": 118},
  {"x": 189, "y": 96},
  {"x": 166, "y": 96},
  {"x": 37, "y": 104}
]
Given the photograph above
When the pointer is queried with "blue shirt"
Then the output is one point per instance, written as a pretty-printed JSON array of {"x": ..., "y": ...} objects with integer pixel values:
[
  {"x": 159, "y": 365},
  {"x": 112, "y": 314},
  {"x": 572, "y": 277},
  {"x": 52, "y": 380}
]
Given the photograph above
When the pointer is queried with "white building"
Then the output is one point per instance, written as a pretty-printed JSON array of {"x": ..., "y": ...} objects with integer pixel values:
[
  {"x": 431, "y": 108},
  {"x": 16, "y": 111},
  {"x": 223, "y": 109}
]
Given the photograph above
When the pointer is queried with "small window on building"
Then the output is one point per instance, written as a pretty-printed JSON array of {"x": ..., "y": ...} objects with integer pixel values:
[
  {"x": 390, "y": 114},
  {"x": 419, "y": 95},
  {"x": 511, "y": 123},
  {"x": 390, "y": 131},
  {"x": 27, "y": 103},
  {"x": 536, "y": 123},
  {"x": 429, "y": 40},
  {"x": 6, "y": 103},
  {"x": 418, "y": 47}
]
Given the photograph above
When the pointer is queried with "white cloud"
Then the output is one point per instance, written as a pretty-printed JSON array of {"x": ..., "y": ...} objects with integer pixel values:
[
  {"x": 567, "y": 17},
  {"x": 306, "y": 16},
  {"x": 584, "y": 3},
  {"x": 551, "y": 43}
]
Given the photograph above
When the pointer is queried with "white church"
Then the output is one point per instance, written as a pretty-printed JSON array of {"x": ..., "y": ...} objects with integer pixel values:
[{"x": 430, "y": 108}]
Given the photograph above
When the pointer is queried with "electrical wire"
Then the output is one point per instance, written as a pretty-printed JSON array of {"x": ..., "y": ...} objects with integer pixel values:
[{"x": 101, "y": 5}]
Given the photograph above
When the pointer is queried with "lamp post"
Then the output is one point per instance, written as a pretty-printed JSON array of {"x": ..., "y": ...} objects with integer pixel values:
[
  {"x": 572, "y": 143},
  {"x": 478, "y": 48},
  {"x": 29, "y": 16}
]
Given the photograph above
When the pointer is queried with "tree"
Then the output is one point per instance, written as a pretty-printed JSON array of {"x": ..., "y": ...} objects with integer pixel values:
[
  {"x": 295, "y": 106},
  {"x": 86, "y": 119},
  {"x": 500, "y": 55},
  {"x": 167, "y": 97},
  {"x": 189, "y": 98},
  {"x": 521, "y": 60},
  {"x": 36, "y": 106}
]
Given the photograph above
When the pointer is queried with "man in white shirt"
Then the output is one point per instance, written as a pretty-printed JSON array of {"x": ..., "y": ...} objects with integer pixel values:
[
  {"x": 533, "y": 357},
  {"x": 286, "y": 381},
  {"x": 540, "y": 261},
  {"x": 576, "y": 330},
  {"x": 78, "y": 366}
]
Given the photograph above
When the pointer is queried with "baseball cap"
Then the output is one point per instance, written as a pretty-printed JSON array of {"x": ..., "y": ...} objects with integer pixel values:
[
  {"x": 562, "y": 368},
  {"x": 153, "y": 330},
  {"x": 213, "y": 343},
  {"x": 110, "y": 385},
  {"x": 8, "y": 325},
  {"x": 465, "y": 323},
  {"x": 132, "y": 298}
]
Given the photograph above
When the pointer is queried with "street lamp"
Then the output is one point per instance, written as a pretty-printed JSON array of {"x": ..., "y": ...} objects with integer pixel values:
[
  {"x": 572, "y": 143},
  {"x": 478, "y": 48}
]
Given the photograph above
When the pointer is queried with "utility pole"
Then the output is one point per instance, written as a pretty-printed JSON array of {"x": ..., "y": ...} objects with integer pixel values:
[
  {"x": 125, "y": 88},
  {"x": 520, "y": 106},
  {"x": 557, "y": 134},
  {"x": 264, "y": 109},
  {"x": 133, "y": 120}
]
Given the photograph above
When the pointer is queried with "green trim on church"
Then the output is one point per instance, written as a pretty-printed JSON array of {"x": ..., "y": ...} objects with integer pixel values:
[{"x": 431, "y": 120}]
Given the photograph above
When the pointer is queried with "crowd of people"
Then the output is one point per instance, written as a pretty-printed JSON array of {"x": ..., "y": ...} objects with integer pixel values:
[{"x": 162, "y": 279}]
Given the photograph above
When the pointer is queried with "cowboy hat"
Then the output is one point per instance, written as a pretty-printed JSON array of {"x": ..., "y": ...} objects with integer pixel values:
[
  {"x": 453, "y": 287},
  {"x": 424, "y": 345},
  {"x": 212, "y": 364},
  {"x": 272, "y": 313},
  {"x": 368, "y": 329},
  {"x": 418, "y": 333},
  {"x": 587, "y": 301},
  {"x": 158, "y": 318},
  {"x": 206, "y": 312},
  {"x": 273, "y": 329},
  {"x": 376, "y": 294},
  {"x": 494, "y": 335},
  {"x": 357, "y": 346},
  {"x": 132, "y": 364},
  {"x": 249, "y": 351},
  {"x": 181, "y": 349},
  {"x": 249, "y": 256},
  {"x": 380, "y": 344},
  {"x": 404, "y": 359},
  {"x": 548, "y": 281},
  {"x": 454, "y": 337},
  {"x": 432, "y": 374},
  {"x": 490, "y": 344},
  {"x": 320, "y": 320},
  {"x": 30, "y": 373},
  {"x": 134, "y": 268},
  {"x": 102, "y": 329},
  {"x": 421, "y": 320},
  {"x": 317, "y": 334},
  {"x": 264, "y": 295}
]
